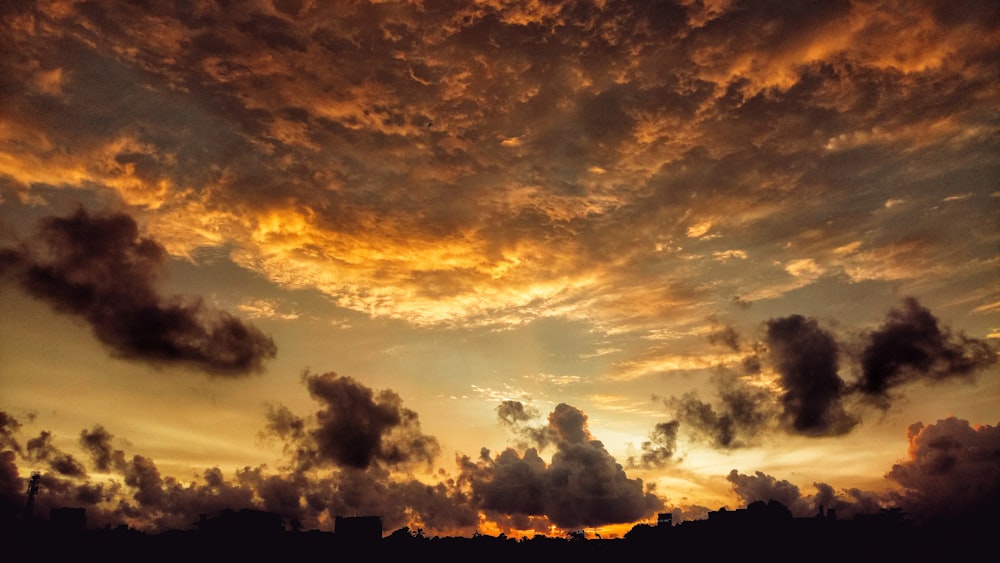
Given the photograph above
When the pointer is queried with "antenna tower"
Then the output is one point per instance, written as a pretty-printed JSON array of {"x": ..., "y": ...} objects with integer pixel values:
[{"x": 29, "y": 508}]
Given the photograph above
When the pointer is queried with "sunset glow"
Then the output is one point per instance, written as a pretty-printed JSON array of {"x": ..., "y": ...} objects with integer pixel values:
[{"x": 493, "y": 267}]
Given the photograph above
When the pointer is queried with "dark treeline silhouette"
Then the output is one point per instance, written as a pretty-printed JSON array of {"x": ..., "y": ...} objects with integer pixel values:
[{"x": 761, "y": 531}]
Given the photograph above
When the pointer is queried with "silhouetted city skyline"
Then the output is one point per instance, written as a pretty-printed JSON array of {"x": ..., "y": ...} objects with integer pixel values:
[{"x": 761, "y": 530}]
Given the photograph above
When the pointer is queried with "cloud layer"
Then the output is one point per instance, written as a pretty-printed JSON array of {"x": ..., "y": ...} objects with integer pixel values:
[
  {"x": 351, "y": 457},
  {"x": 468, "y": 163},
  {"x": 949, "y": 475}
]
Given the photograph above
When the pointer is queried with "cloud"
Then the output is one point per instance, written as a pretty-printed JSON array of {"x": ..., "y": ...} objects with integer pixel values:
[
  {"x": 11, "y": 484},
  {"x": 354, "y": 428},
  {"x": 131, "y": 489},
  {"x": 951, "y": 473},
  {"x": 358, "y": 427},
  {"x": 659, "y": 450},
  {"x": 510, "y": 483},
  {"x": 564, "y": 423},
  {"x": 912, "y": 346},
  {"x": 698, "y": 125},
  {"x": 811, "y": 397},
  {"x": 846, "y": 504},
  {"x": 8, "y": 429},
  {"x": 512, "y": 413},
  {"x": 582, "y": 486},
  {"x": 763, "y": 487},
  {"x": 142, "y": 474},
  {"x": 727, "y": 336},
  {"x": 98, "y": 268},
  {"x": 569, "y": 424},
  {"x": 97, "y": 442},
  {"x": 11, "y": 487},
  {"x": 949, "y": 477},
  {"x": 739, "y": 418},
  {"x": 285, "y": 425},
  {"x": 41, "y": 448},
  {"x": 806, "y": 359}
]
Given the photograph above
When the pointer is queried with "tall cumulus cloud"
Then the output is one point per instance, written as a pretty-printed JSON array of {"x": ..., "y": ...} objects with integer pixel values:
[
  {"x": 952, "y": 472},
  {"x": 806, "y": 358},
  {"x": 582, "y": 485}
]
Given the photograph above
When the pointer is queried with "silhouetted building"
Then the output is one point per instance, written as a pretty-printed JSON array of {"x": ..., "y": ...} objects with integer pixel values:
[
  {"x": 665, "y": 519},
  {"x": 756, "y": 511},
  {"x": 830, "y": 514},
  {"x": 242, "y": 522},
  {"x": 66, "y": 520},
  {"x": 724, "y": 515},
  {"x": 358, "y": 528}
]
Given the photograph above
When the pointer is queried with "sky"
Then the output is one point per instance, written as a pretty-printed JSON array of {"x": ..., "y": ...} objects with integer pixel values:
[{"x": 499, "y": 267}]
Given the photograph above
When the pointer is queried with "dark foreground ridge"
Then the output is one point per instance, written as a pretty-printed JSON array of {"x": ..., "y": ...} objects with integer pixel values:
[{"x": 761, "y": 532}]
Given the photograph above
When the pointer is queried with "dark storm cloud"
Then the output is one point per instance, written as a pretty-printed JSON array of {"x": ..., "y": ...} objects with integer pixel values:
[
  {"x": 659, "y": 450},
  {"x": 8, "y": 428},
  {"x": 952, "y": 473},
  {"x": 510, "y": 483},
  {"x": 582, "y": 486},
  {"x": 911, "y": 345},
  {"x": 517, "y": 416},
  {"x": 569, "y": 424},
  {"x": 512, "y": 413},
  {"x": 11, "y": 484},
  {"x": 97, "y": 443},
  {"x": 284, "y": 424},
  {"x": 98, "y": 268},
  {"x": 280, "y": 493},
  {"x": 356, "y": 427},
  {"x": 806, "y": 358},
  {"x": 142, "y": 474},
  {"x": 811, "y": 398},
  {"x": 341, "y": 460},
  {"x": 41, "y": 448},
  {"x": 738, "y": 419}
]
